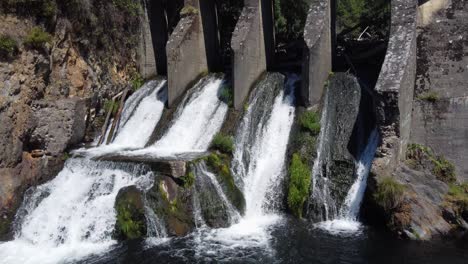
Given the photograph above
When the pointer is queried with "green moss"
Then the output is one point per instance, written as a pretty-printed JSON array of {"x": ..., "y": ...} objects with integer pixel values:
[
  {"x": 226, "y": 95},
  {"x": 37, "y": 38},
  {"x": 389, "y": 193},
  {"x": 188, "y": 10},
  {"x": 310, "y": 121},
  {"x": 430, "y": 96},
  {"x": 8, "y": 46},
  {"x": 299, "y": 185},
  {"x": 417, "y": 154},
  {"x": 219, "y": 164},
  {"x": 188, "y": 179},
  {"x": 458, "y": 197},
  {"x": 223, "y": 143}
]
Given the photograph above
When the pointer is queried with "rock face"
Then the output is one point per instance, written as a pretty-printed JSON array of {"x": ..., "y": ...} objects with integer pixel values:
[
  {"x": 59, "y": 124},
  {"x": 46, "y": 92}
]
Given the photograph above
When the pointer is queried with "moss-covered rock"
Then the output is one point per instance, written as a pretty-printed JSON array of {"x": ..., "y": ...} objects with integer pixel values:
[
  {"x": 173, "y": 203},
  {"x": 131, "y": 221},
  {"x": 299, "y": 185},
  {"x": 220, "y": 165}
]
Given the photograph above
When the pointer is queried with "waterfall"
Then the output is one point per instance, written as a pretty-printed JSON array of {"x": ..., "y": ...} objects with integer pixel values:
[
  {"x": 347, "y": 220},
  {"x": 320, "y": 184},
  {"x": 199, "y": 117},
  {"x": 140, "y": 115},
  {"x": 258, "y": 166},
  {"x": 73, "y": 216}
]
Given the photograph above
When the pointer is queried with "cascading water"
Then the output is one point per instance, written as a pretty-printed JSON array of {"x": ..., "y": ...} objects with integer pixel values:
[
  {"x": 196, "y": 121},
  {"x": 347, "y": 220},
  {"x": 73, "y": 215},
  {"x": 320, "y": 188},
  {"x": 258, "y": 165}
]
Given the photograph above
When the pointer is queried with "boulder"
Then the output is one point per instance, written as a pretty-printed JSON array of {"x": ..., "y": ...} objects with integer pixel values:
[{"x": 131, "y": 220}]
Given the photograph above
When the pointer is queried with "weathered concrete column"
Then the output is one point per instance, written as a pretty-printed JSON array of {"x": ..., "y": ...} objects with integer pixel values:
[
  {"x": 249, "y": 47},
  {"x": 146, "y": 60},
  {"x": 192, "y": 49},
  {"x": 159, "y": 32},
  {"x": 317, "y": 62}
]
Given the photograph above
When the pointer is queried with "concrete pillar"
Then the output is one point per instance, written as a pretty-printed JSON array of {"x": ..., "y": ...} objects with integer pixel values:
[
  {"x": 186, "y": 51},
  {"x": 317, "y": 62},
  {"x": 250, "y": 48},
  {"x": 146, "y": 60}
]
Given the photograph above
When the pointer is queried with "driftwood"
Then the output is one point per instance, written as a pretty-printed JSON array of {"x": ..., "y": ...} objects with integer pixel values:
[
  {"x": 117, "y": 116},
  {"x": 102, "y": 138}
]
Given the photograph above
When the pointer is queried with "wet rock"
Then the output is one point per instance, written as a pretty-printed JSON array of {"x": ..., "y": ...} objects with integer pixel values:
[{"x": 131, "y": 220}]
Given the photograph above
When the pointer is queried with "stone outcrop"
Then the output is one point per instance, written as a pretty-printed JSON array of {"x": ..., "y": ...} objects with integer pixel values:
[
  {"x": 186, "y": 52},
  {"x": 249, "y": 54},
  {"x": 317, "y": 63}
]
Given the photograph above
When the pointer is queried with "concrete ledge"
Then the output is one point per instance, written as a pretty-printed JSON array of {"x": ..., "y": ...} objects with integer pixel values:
[
  {"x": 317, "y": 63},
  {"x": 395, "y": 86},
  {"x": 186, "y": 54},
  {"x": 249, "y": 59}
]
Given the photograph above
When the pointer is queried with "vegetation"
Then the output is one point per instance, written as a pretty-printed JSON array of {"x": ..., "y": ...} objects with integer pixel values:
[
  {"x": 8, "y": 46},
  {"x": 418, "y": 156},
  {"x": 188, "y": 10},
  {"x": 137, "y": 81},
  {"x": 188, "y": 179},
  {"x": 223, "y": 143},
  {"x": 355, "y": 16},
  {"x": 130, "y": 6},
  {"x": 458, "y": 197},
  {"x": 290, "y": 19},
  {"x": 37, "y": 38},
  {"x": 226, "y": 95},
  {"x": 299, "y": 184},
  {"x": 430, "y": 96},
  {"x": 111, "y": 105},
  {"x": 310, "y": 121},
  {"x": 389, "y": 194},
  {"x": 220, "y": 164},
  {"x": 130, "y": 215}
]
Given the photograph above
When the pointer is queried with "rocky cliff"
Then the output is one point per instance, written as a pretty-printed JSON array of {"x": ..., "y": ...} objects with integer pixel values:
[{"x": 59, "y": 60}]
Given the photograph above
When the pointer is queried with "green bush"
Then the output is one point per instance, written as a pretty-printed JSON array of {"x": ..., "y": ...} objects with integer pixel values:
[
  {"x": 290, "y": 19},
  {"x": 389, "y": 193},
  {"x": 137, "y": 81},
  {"x": 458, "y": 197},
  {"x": 37, "y": 37},
  {"x": 130, "y": 6},
  {"x": 353, "y": 16},
  {"x": 310, "y": 121},
  {"x": 226, "y": 95},
  {"x": 188, "y": 179},
  {"x": 8, "y": 46},
  {"x": 299, "y": 185},
  {"x": 430, "y": 96},
  {"x": 443, "y": 169},
  {"x": 223, "y": 143}
]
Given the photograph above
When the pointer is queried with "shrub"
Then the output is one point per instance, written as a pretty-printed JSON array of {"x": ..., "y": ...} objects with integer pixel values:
[
  {"x": 130, "y": 6},
  {"x": 137, "y": 81},
  {"x": 310, "y": 121},
  {"x": 443, "y": 169},
  {"x": 188, "y": 10},
  {"x": 223, "y": 143},
  {"x": 299, "y": 184},
  {"x": 37, "y": 37},
  {"x": 226, "y": 95},
  {"x": 431, "y": 96},
  {"x": 188, "y": 179},
  {"x": 458, "y": 197},
  {"x": 389, "y": 194},
  {"x": 8, "y": 46}
]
